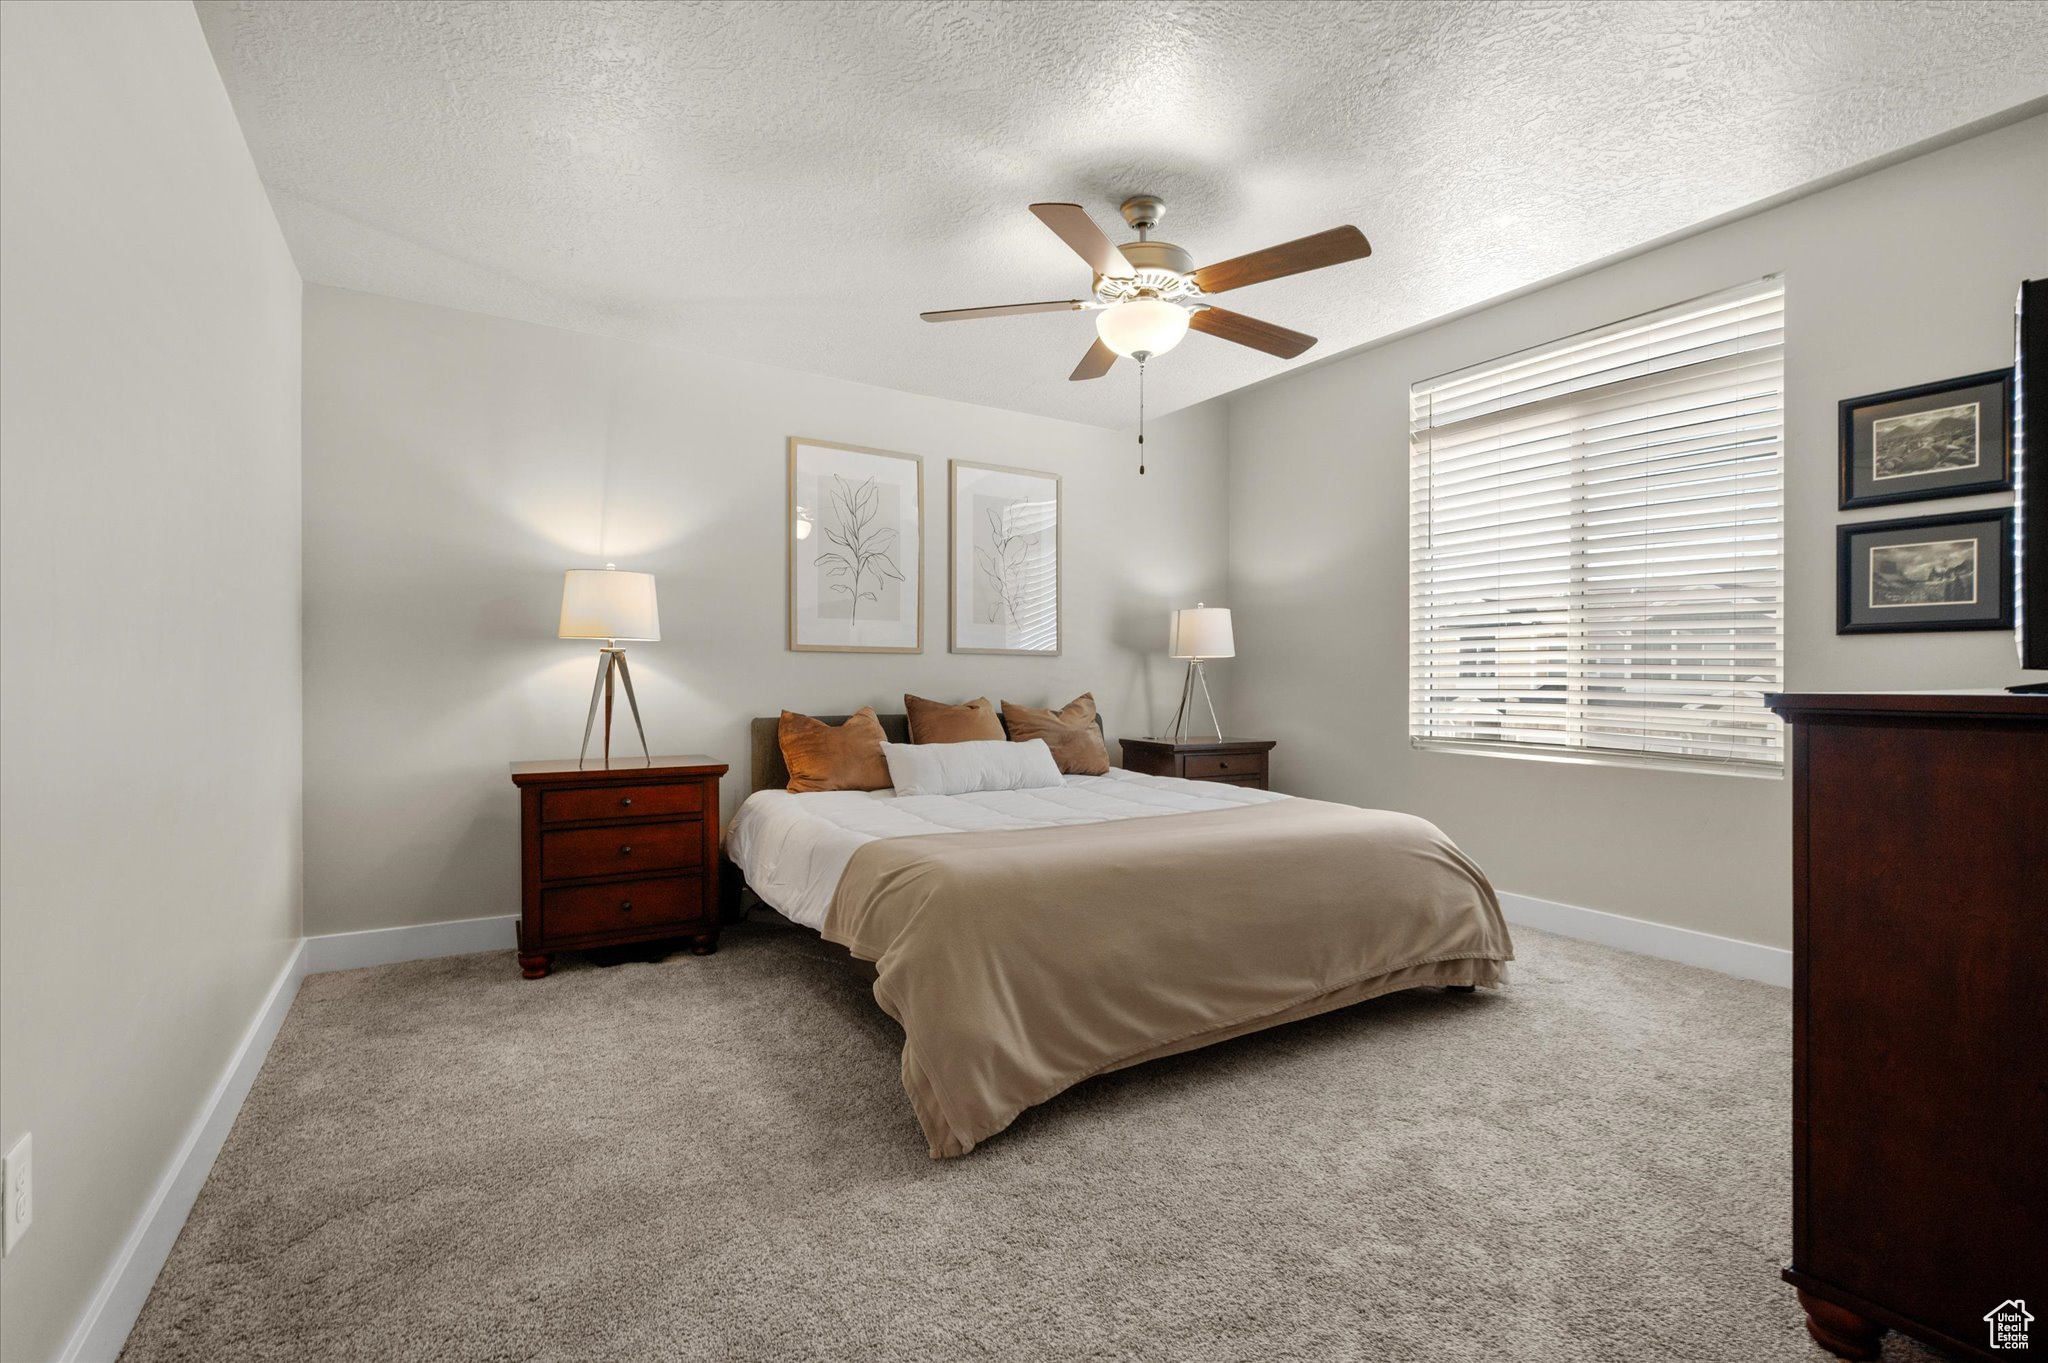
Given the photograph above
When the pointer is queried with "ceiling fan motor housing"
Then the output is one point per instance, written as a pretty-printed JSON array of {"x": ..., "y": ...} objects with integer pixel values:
[{"x": 1162, "y": 270}]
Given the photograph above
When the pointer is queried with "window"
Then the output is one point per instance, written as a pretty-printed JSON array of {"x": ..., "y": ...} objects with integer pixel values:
[{"x": 1596, "y": 544}]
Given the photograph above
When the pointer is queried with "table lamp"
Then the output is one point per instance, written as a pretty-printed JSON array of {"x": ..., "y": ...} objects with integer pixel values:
[
  {"x": 1197, "y": 635},
  {"x": 604, "y": 603}
]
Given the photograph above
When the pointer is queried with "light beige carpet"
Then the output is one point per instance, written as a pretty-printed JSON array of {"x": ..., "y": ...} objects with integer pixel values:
[{"x": 713, "y": 1159}]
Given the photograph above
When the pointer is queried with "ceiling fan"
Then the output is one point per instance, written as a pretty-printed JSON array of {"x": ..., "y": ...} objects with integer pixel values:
[{"x": 1148, "y": 294}]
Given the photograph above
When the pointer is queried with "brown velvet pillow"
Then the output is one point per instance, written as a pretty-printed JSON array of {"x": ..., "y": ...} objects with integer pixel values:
[
  {"x": 1070, "y": 732},
  {"x": 823, "y": 756},
  {"x": 933, "y": 721}
]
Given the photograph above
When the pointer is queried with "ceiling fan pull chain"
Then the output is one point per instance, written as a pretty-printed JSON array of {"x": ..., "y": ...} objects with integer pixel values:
[{"x": 1141, "y": 418}]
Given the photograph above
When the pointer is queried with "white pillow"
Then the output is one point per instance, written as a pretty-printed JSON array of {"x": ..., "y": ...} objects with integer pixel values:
[{"x": 963, "y": 768}]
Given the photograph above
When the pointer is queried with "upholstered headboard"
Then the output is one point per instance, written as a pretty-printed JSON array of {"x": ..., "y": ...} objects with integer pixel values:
[{"x": 769, "y": 771}]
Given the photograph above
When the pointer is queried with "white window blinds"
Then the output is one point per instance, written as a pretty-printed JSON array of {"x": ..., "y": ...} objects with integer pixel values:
[{"x": 1596, "y": 565}]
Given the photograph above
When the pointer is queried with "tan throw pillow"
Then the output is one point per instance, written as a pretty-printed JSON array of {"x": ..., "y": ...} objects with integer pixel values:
[
  {"x": 1070, "y": 732},
  {"x": 823, "y": 756},
  {"x": 933, "y": 721}
]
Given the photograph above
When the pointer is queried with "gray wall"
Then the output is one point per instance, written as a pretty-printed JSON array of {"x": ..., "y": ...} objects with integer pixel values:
[
  {"x": 149, "y": 619},
  {"x": 1903, "y": 276},
  {"x": 455, "y": 464}
]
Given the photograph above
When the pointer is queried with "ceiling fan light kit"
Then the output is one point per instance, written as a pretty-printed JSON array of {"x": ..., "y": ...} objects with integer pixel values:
[{"x": 1142, "y": 328}]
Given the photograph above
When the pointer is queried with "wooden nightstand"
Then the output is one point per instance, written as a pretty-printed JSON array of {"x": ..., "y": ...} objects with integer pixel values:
[
  {"x": 1232, "y": 761},
  {"x": 616, "y": 855}
]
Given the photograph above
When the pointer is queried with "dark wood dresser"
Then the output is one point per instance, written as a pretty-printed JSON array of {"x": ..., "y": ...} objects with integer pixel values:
[
  {"x": 1233, "y": 761},
  {"x": 1920, "y": 1015},
  {"x": 617, "y": 855}
]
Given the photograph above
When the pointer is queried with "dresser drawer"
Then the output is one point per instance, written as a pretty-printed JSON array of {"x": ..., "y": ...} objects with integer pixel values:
[
  {"x": 621, "y": 906},
  {"x": 575, "y": 852},
  {"x": 621, "y": 802},
  {"x": 1223, "y": 766}
]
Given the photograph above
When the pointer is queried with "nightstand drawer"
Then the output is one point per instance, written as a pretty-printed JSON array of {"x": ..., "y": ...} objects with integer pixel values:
[
  {"x": 621, "y": 906},
  {"x": 1223, "y": 766},
  {"x": 616, "y": 851},
  {"x": 621, "y": 802}
]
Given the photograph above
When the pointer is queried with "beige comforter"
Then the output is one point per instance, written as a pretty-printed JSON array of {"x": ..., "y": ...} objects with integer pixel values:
[{"x": 1021, "y": 962}]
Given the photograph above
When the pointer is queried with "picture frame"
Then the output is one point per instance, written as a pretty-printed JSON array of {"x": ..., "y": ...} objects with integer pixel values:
[
  {"x": 1004, "y": 586},
  {"x": 855, "y": 526},
  {"x": 1925, "y": 573},
  {"x": 1933, "y": 440}
]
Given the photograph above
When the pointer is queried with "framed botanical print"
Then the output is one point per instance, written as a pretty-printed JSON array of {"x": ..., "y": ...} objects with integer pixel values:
[
  {"x": 1925, "y": 573},
  {"x": 856, "y": 549},
  {"x": 1947, "y": 439},
  {"x": 1005, "y": 560}
]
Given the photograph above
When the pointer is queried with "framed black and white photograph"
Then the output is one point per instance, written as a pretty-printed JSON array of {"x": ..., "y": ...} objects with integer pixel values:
[
  {"x": 856, "y": 549},
  {"x": 1925, "y": 573},
  {"x": 1947, "y": 439},
  {"x": 1005, "y": 560}
]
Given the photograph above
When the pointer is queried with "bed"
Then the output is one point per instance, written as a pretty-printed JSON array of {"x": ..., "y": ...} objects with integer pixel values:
[{"x": 1028, "y": 939}]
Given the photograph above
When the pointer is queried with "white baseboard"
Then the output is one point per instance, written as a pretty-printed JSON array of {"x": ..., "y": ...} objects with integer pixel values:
[
  {"x": 414, "y": 942},
  {"x": 1746, "y": 960},
  {"x": 103, "y": 1329}
]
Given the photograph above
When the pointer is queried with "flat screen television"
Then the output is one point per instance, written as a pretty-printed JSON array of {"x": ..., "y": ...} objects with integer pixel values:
[{"x": 2030, "y": 474}]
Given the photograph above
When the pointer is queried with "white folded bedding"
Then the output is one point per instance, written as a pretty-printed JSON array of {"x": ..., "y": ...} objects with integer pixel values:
[{"x": 793, "y": 848}]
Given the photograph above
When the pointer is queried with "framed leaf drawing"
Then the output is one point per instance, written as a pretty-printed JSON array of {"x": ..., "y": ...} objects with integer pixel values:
[
  {"x": 1005, "y": 560},
  {"x": 856, "y": 549}
]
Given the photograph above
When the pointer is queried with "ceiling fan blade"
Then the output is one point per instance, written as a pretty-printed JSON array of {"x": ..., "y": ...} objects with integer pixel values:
[
  {"x": 1333, "y": 247},
  {"x": 1004, "y": 310},
  {"x": 1235, "y": 326},
  {"x": 1074, "y": 227},
  {"x": 1095, "y": 363}
]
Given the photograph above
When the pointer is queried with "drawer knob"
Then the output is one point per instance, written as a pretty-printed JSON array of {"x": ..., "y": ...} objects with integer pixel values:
[
  {"x": 626, "y": 851},
  {"x": 625, "y": 906},
  {"x": 627, "y": 802},
  {"x": 1223, "y": 766}
]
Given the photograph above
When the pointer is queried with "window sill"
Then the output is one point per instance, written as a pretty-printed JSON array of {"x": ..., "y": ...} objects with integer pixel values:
[{"x": 1768, "y": 771}]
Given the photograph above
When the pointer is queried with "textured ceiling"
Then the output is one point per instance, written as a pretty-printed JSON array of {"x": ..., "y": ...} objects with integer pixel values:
[{"x": 794, "y": 182}]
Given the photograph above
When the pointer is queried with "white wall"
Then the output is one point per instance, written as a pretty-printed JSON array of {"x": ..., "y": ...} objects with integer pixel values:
[
  {"x": 455, "y": 464},
  {"x": 1903, "y": 276},
  {"x": 149, "y": 589}
]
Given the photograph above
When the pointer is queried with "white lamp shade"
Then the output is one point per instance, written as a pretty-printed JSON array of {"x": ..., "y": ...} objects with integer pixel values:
[
  {"x": 1203, "y": 632},
  {"x": 1145, "y": 325},
  {"x": 603, "y": 603}
]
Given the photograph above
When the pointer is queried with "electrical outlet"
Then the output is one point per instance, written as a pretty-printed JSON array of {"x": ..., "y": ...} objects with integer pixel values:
[{"x": 17, "y": 1207}]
